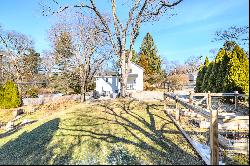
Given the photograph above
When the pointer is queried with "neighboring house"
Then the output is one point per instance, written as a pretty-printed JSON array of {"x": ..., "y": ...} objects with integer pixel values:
[
  {"x": 192, "y": 77},
  {"x": 109, "y": 82}
]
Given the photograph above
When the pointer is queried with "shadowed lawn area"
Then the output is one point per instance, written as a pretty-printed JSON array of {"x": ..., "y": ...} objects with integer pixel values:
[{"x": 108, "y": 132}]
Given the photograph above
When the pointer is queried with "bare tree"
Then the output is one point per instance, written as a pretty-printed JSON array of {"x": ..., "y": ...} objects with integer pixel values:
[
  {"x": 237, "y": 34},
  {"x": 193, "y": 63},
  {"x": 121, "y": 34},
  {"x": 176, "y": 81},
  {"x": 169, "y": 66},
  {"x": 47, "y": 64},
  {"x": 15, "y": 45},
  {"x": 78, "y": 40}
]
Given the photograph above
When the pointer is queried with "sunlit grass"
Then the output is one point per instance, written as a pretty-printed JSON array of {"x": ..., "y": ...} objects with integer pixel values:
[{"x": 107, "y": 132}]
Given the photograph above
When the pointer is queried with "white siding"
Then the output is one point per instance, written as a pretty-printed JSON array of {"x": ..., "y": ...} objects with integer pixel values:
[
  {"x": 138, "y": 85},
  {"x": 135, "y": 80},
  {"x": 112, "y": 85}
]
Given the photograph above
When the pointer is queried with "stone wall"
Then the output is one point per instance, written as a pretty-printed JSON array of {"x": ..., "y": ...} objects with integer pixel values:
[
  {"x": 51, "y": 98},
  {"x": 148, "y": 95}
]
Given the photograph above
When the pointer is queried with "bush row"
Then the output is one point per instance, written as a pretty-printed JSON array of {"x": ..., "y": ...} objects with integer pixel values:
[{"x": 228, "y": 72}]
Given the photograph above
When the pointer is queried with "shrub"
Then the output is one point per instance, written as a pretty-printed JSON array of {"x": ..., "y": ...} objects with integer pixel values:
[
  {"x": 200, "y": 76},
  {"x": 237, "y": 75},
  {"x": 177, "y": 81},
  {"x": 32, "y": 93},
  {"x": 205, "y": 84},
  {"x": 11, "y": 96},
  {"x": 147, "y": 86},
  {"x": 228, "y": 73},
  {"x": 214, "y": 76},
  {"x": 1, "y": 95}
]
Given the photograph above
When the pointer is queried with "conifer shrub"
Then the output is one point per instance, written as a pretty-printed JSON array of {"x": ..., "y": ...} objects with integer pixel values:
[
  {"x": 237, "y": 75},
  {"x": 222, "y": 71},
  {"x": 200, "y": 76},
  {"x": 215, "y": 71},
  {"x": 229, "y": 72},
  {"x": 11, "y": 96},
  {"x": 1, "y": 95},
  {"x": 32, "y": 92},
  {"x": 206, "y": 84}
]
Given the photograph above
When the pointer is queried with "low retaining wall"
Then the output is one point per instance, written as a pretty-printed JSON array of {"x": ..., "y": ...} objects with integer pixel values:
[
  {"x": 52, "y": 98},
  {"x": 148, "y": 95}
]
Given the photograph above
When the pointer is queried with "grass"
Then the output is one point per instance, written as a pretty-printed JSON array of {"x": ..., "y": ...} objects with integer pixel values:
[
  {"x": 44, "y": 111},
  {"x": 108, "y": 132},
  {"x": 6, "y": 115}
]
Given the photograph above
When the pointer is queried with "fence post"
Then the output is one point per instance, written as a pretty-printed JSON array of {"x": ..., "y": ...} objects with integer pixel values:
[
  {"x": 214, "y": 144},
  {"x": 236, "y": 93},
  {"x": 177, "y": 111},
  {"x": 190, "y": 99},
  {"x": 165, "y": 104},
  {"x": 209, "y": 100}
]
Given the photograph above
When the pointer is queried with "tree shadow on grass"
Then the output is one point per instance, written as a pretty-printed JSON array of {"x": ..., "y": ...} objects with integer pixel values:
[
  {"x": 162, "y": 150},
  {"x": 30, "y": 147},
  {"x": 17, "y": 128}
]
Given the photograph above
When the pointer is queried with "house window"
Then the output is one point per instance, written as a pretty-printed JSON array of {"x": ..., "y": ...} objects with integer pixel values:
[{"x": 107, "y": 80}]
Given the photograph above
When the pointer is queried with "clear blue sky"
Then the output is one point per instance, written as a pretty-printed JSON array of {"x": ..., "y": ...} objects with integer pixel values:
[{"x": 189, "y": 33}]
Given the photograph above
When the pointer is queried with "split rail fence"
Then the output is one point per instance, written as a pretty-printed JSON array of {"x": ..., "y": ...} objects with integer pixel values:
[{"x": 223, "y": 132}]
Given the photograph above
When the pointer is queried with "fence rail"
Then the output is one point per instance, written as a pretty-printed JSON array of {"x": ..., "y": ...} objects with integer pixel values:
[{"x": 215, "y": 131}]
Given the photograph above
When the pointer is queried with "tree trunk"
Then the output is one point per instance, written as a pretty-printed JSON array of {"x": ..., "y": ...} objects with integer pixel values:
[
  {"x": 123, "y": 75},
  {"x": 83, "y": 88},
  {"x": 123, "y": 84},
  {"x": 83, "y": 92},
  {"x": 82, "y": 75},
  {"x": 84, "y": 71}
]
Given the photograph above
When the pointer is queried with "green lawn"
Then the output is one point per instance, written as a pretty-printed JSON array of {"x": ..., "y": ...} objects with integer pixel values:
[{"x": 110, "y": 132}]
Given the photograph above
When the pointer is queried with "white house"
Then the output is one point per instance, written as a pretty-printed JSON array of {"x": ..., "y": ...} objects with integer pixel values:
[
  {"x": 192, "y": 77},
  {"x": 109, "y": 82}
]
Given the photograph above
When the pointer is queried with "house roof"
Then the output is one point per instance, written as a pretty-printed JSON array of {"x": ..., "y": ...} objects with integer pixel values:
[
  {"x": 133, "y": 75},
  {"x": 108, "y": 74},
  {"x": 112, "y": 73}
]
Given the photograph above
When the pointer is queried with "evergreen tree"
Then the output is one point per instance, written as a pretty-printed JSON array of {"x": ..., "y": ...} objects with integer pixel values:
[
  {"x": 134, "y": 57},
  {"x": 244, "y": 66},
  {"x": 63, "y": 50},
  {"x": 148, "y": 52},
  {"x": 237, "y": 75},
  {"x": 31, "y": 64},
  {"x": 206, "y": 84},
  {"x": 63, "y": 45},
  {"x": 229, "y": 45},
  {"x": 200, "y": 76},
  {"x": 144, "y": 63},
  {"x": 1, "y": 95},
  {"x": 222, "y": 70},
  {"x": 12, "y": 99},
  {"x": 215, "y": 70}
]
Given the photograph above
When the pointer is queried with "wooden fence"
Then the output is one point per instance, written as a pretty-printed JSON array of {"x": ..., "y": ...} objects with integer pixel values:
[{"x": 208, "y": 113}]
